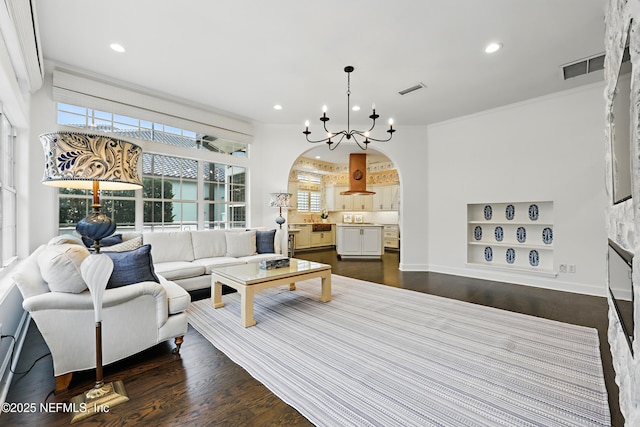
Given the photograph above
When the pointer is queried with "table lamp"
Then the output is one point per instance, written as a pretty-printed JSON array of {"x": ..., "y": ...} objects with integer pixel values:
[
  {"x": 280, "y": 200},
  {"x": 85, "y": 161}
]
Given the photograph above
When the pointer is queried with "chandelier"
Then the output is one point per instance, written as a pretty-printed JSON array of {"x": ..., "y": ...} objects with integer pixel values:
[{"x": 361, "y": 138}]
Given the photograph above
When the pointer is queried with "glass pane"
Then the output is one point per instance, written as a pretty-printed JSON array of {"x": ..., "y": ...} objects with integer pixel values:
[
  {"x": 73, "y": 210},
  {"x": 190, "y": 169},
  {"x": 102, "y": 115},
  {"x": 104, "y": 125},
  {"x": 173, "y": 130},
  {"x": 169, "y": 212},
  {"x": 214, "y": 192},
  {"x": 190, "y": 213},
  {"x": 237, "y": 194},
  {"x": 71, "y": 119},
  {"x": 73, "y": 191},
  {"x": 124, "y": 213},
  {"x": 171, "y": 189},
  {"x": 117, "y": 193},
  {"x": 126, "y": 120},
  {"x": 153, "y": 211},
  {"x": 72, "y": 108},
  {"x": 189, "y": 190}
]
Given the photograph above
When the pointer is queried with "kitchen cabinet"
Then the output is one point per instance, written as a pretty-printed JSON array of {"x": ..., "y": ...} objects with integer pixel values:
[
  {"x": 387, "y": 197},
  {"x": 391, "y": 236},
  {"x": 321, "y": 238},
  {"x": 362, "y": 202},
  {"x": 303, "y": 237},
  {"x": 307, "y": 238},
  {"x": 351, "y": 202},
  {"x": 359, "y": 241}
]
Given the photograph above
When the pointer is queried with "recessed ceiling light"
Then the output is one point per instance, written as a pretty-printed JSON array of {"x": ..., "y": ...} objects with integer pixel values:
[
  {"x": 317, "y": 157},
  {"x": 356, "y": 108},
  {"x": 493, "y": 47},
  {"x": 117, "y": 47},
  {"x": 277, "y": 107}
]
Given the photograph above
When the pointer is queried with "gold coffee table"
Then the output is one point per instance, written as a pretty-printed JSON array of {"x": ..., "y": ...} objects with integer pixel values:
[{"x": 249, "y": 279}]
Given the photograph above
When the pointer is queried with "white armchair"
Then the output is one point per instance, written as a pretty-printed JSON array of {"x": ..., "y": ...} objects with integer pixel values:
[{"x": 135, "y": 317}]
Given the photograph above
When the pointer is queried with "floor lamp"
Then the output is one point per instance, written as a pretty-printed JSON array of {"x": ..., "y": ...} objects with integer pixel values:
[
  {"x": 85, "y": 161},
  {"x": 280, "y": 200}
]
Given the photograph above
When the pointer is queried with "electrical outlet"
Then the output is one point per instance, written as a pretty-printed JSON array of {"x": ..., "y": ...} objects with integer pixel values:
[
  {"x": 563, "y": 268},
  {"x": 572, "y": 268}
]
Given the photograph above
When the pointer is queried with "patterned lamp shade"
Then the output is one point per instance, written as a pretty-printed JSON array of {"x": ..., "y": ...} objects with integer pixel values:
[
  {"x": 77, "y": 160},
  {"x": 280, "y": 200},
  {"x": 84, "y": 161}
]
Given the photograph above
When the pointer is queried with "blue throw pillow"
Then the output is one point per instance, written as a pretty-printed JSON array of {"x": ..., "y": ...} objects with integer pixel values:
[
  {"x": 107, "y": 241},
  {"x": 264, "y": 242},
  {"x": 131, "y": 267}
]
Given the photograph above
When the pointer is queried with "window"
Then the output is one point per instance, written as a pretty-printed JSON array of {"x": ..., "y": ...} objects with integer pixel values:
[
  {"x": 89, "y": 119},
  {"x": 224, "y": 196},
  {"x": 309, "y": 194},
  {"x": 8, "y": 196},
  {"x": 173, "y": 190},
  {"x": 76, "y": 204},
  {"x": 170, "y": 192},
  {"x": 309, "y": 201}
]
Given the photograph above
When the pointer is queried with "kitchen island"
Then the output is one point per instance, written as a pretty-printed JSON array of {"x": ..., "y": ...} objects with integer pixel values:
[{"x": 360, "y": 241}]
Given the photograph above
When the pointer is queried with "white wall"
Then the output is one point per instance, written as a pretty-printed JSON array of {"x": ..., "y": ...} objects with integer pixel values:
[{"x": 549, "y": 148}]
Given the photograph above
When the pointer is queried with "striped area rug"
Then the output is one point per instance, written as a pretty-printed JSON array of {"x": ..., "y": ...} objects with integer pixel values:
[{"x": 382, "y": 356}]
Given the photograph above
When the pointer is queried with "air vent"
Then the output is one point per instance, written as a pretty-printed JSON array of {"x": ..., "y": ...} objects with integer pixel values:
[
  {"x": 412, "y": 88},
  {"x": 589, "y": 65}
]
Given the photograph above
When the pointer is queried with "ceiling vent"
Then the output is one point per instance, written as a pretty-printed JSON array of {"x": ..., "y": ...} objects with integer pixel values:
[
  {"x": 411, "y": 89},
  {"x": 589, "y": 65}
]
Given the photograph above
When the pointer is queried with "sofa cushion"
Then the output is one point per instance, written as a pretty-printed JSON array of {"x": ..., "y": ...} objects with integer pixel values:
[
  {"x": 28, "y": 277},
  {"x": 131, "y": 267},
  {"x": 264, "y": 241},
  {"x": 169, "y": 246},
  {"x": 65, "y": 238},
  {"x": 208, "y": 243},
  {"x": 60, "y": 267},
  {"x": 241, "y": 243},
  {"x": 176, "y": 270},
  {"x": 220, "y": 261}
]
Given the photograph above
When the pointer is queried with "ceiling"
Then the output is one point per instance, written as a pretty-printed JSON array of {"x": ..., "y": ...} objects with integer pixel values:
[{"x": 244, "y": 56}]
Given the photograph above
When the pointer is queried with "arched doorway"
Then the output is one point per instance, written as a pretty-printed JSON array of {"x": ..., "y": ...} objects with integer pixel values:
[{"x": 316, "y": 179}]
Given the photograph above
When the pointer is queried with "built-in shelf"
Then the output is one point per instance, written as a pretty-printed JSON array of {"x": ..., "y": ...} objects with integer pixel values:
[{"x": 511, "y": 236}]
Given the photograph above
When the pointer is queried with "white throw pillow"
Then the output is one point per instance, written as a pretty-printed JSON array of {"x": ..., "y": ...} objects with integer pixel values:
[
  {"x": 127, "y": 245},
  {"x": 60, "y": 267},
  {"x": 241, "y": 244},
  {"x": 64, "y": 239}
]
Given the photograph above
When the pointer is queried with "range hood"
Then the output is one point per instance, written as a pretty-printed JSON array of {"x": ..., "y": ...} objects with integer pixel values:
[{"x": 357, "y": 175}]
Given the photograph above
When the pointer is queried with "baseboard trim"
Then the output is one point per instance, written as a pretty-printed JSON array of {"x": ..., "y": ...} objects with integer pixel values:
[
  {"x": 552, "y": 283},
  {"x": 5, "y": 373}
]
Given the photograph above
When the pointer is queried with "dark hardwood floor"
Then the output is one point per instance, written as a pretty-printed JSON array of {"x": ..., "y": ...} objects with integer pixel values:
[{"x": 203, "y": 387}]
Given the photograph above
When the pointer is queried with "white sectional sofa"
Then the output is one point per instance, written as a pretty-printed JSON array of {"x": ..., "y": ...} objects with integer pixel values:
[{"x": 187, "y": 257}]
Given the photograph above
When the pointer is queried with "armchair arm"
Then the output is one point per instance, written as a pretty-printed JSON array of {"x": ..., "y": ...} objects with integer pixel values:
[{"x": 112, "y": 298}]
